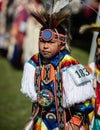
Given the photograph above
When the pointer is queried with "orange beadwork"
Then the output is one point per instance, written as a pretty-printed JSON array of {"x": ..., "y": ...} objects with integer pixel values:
[{"x": 51, "y": 75}]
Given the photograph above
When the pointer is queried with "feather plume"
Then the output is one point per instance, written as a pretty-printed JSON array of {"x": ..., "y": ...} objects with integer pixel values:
[
  {"x": 39, "y": 13},
  {"x": 52, "y": 12}
]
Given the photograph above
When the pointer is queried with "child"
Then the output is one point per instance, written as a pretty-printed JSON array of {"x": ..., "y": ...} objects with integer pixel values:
[{"x": 58, "y": 86}]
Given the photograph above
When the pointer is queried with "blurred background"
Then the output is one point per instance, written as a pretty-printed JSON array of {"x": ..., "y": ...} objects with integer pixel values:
[{"x": 18, "y": 42}]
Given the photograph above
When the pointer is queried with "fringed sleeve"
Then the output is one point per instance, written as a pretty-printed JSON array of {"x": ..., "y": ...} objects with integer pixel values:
[
  {"x": 28, "y": 82},
  {"x": 74, "y": 94}
]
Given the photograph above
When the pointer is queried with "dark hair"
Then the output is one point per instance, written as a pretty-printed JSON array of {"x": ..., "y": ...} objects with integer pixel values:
[
  {"x": 63, "y": 28},
  {"x": 59, "y": 29}
]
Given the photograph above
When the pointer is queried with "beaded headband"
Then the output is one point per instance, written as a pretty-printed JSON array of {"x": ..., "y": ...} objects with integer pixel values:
[{"x": 48, "y": 35}]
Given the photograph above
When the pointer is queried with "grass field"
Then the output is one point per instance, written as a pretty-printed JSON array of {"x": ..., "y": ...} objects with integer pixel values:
[{"x": 15, "y": 108}]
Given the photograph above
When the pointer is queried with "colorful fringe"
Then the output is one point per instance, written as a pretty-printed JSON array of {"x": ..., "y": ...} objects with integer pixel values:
[
  {"x": 39, "y": 125},
  {"x": 67, "y": 61},
  {"x": 64, "y": 62}
]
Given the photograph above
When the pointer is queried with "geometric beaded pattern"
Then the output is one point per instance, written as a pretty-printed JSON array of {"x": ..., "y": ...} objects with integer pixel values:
[{"x": 59, "y": 100}]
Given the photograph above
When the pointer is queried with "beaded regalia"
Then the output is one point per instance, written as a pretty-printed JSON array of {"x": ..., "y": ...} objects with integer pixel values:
[{"x": 57, "y": 85}]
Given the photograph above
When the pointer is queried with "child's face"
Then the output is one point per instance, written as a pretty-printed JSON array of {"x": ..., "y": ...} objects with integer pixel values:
[{"x": 48, "y": 49}]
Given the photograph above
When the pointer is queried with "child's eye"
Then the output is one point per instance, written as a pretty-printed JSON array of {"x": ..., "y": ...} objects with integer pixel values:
[
  {"x": 52, "y": 42},
  {"x": 41, "y": 40}
]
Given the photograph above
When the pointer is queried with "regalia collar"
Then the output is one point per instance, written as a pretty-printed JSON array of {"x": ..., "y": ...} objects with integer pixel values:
[{"x": 55, "y": 60}]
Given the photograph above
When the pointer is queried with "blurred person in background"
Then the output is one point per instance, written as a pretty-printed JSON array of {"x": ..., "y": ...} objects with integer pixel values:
[
  {"x": 10, "y": 11},
  {"x": 87, "y": 15},
  {"x": 96, "y": 123},
  {"x": 95, "y": 69},
  {"x": 17, "y": 33},
  {"x": 3, "y": 35},
  {"x": 24, "y": 32},
  {"x": 30, "y": 43}
]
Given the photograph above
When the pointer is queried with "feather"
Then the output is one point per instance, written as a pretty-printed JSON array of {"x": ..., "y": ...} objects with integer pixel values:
[
  {"x": 89, "y": 28},
  {"x": 75, "y": 6},
  {"x": 48, "y": 5},
  {"x": 59, "y": 17},
  {"x": 63, "y": 9},
  {"x": 39, "y": 14},
  {"x": 59, "y": 5},
  {"x": 52, "y": 12}
]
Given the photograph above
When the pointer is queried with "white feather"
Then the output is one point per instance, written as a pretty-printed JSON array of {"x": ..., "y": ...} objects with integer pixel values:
[
  {"x": 59, "y": 5},
  {"x": 75, "y": 5}
]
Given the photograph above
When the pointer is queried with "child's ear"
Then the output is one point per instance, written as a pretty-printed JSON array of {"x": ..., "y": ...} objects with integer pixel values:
[{"x": 62, "y": 46}]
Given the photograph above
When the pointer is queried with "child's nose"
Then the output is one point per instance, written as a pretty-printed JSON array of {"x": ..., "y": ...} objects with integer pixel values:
[{"x": 46, "y": 44}]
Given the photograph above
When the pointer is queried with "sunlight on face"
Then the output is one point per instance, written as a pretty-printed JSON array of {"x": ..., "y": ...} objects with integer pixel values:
[{"x": 48, "y": 49}]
